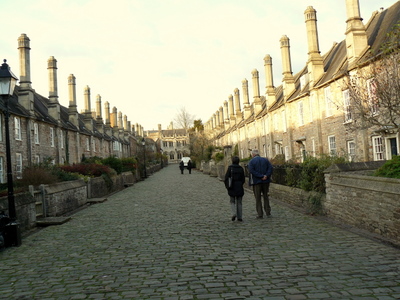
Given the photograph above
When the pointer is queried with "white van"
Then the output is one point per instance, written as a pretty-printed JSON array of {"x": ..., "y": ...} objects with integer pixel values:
[{"x": 185, "y": 160}]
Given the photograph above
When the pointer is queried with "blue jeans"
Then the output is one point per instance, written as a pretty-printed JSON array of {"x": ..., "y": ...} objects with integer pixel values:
[{"x": 236, "y": 206}]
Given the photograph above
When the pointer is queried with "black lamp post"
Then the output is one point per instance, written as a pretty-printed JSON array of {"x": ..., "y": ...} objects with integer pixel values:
[
  {"x": 7, "y": 84},
  {"x": 144, "y": 156}
]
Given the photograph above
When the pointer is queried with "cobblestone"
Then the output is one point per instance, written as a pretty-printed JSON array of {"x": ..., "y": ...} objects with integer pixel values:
[{"x": 171, "y": 237}]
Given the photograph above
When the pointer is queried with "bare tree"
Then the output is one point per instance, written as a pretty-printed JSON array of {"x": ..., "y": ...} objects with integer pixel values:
[
  {"x": 183, "y": 119},
  {"x": 372, "y": 98}
]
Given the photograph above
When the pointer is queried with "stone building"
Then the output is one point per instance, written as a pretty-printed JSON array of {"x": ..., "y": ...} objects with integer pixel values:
[
  {"x": 42, "y": 129},
  {"x": 174, "y": 143},
  {"x": 308, "y": 113}
]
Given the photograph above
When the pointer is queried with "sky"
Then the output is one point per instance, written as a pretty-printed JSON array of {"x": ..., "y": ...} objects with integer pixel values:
[{"x": 152, "y": 58}]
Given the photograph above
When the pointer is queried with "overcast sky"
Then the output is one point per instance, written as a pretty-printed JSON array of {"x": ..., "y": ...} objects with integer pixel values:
[{"x": 150, "y": 58}]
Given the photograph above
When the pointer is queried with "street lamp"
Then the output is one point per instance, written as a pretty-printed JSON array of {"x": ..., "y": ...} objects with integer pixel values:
[
  {"x": 7, "y": 84},
  {"x": 144, "y": 156}
]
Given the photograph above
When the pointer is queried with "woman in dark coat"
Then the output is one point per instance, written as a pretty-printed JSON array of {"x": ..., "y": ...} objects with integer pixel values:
[{"x": 236, "y": 190}]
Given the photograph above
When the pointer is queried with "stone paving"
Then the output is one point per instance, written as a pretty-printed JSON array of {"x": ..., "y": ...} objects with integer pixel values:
[{"x": 171, "y": 237}]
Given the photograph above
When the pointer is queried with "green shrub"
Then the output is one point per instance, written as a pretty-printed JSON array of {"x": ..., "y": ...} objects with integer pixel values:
[
  {"x": 219, "y": 156},
  {"x": 114, "y": 163},
  {"x": 129, "y": 164},
  {"x": 312, "y": 175},
  {"x": 390, "y": 169},
  {"x": 92, "y": 170}
]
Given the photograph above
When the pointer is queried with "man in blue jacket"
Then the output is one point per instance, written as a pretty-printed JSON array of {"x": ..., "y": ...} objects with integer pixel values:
[{"x": 260, "y": 176}]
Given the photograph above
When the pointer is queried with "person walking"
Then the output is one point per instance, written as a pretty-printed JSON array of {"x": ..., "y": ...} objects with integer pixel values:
[
  {"x": 235, "y": 189},
  {"x": 189, "y": 166},
  {"x": 181, "y": 166},
  {"x": 260, "y": 170}
]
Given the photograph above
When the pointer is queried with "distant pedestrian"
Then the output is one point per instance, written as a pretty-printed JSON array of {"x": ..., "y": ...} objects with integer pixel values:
[
  {"x": 260, "y": 170},
  {"x": 236, "y": 190},
  {"x": 189, "y": 166},
  {"x": 181, "y": 166}
]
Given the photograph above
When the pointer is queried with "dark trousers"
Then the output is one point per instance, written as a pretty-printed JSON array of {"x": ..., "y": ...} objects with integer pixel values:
[{"x": 258, "y": 190}]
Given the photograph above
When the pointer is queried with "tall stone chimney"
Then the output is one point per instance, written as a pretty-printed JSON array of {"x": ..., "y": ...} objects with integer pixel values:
[
  {"x": 238, "y": 111},
  {"x": 54, "y": 105},
  {"x": 269, "y": 78},
  {"x": 99, "y": 118},
  {"x": 25, "y": 93},
  {"x": 226, "y": 115},
  {"x": 256, "y": 92},
  {"x": 356, "y": 36},
  {"x": 72, "y": 108},
  {"x": 87, "y": 116},
  {"x": 107, "y": 126},
  {"x": 246, "y": 103},
  {"x": 231, "y": 110},
  {"x": 288, "y": 79},
  {"x": 315, "y": 64},
  {"x": 221, "y": 118}
]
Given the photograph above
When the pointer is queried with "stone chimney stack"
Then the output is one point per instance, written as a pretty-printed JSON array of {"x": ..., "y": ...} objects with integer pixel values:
[
  {"x": 54, "y": 105},
  {"x": 120, "y": 122},
  {"x": 288, "y": 79},
  {"x": 114, "y": 122},
  {"x": 256, "y": 92},
  {"x": 72, "y": 108},
  {"x": 221, "y": 118},
  {"x": 88, "y": 113},
  {"x": 356, "y": 36},
  {"x": 126, "y": 128},
  {"x": 25, "y": 93},
  {"x": 315, "y": 63},
  {"x": 99, "y": 118},
  {"x": 226, "y": 115},
  {"x": 114, "y": 117},
  {"x": 269, "y": 78},
  {"x": 246, "y": 103},
  {"x": 238, "y": 111},
  {"x": 231, "y": 110},
  {"x": 107, "y": 125}
]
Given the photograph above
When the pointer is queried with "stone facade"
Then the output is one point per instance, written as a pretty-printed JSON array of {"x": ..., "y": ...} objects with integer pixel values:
[
  {"x": 43, "y": 130},
  {"x": 306, "y": 114},
  {"x": 174, "y": 143}
]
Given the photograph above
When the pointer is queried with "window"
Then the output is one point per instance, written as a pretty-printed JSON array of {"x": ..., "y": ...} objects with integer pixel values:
[
  {"x": 276, "y": 126},
  {"x": 18, "y": 135},
  {"x": 62, "y": 139},
  {"x": 179, "y": 155},
  {"x": 377, "y": 143},
  {"x": 372, "y": 98},
  {"x": 1, "y": 169},
  {"x": 88, "y": 144},
  {"x": 328, "y": 101},
  {"x": 347, "y": 107},
  {"x": 332, "y": 145},
  {"x": 284, "y": 121},
  {"x": 36, "y": 133},
  {"x": 178, "y": 143},
  {"x": 287, "y": 153},
  {"x": 51, "y": 136},
  {"x": 165, "y": 144},
  {"x": 37, "y": 159},
  {"x": 93, "y": 144},
  {"x": 314, "y": 153},
  {"x": 18, "y": 165},
  {"x": 351, "y": 150},
  {"x": 171, "y": 144},
  {"x": 116, "y": 146},
  {"x": 171, "y": 155},
  {"x": 1, "y": 127},
  {"x": 301, "y": 113},
  {"x": 311, "y": 103},
  {"x": 183, "y": 143}
]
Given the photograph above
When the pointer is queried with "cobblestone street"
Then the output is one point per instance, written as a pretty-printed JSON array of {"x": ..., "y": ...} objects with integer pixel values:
[{"x": 171, "y": 237}]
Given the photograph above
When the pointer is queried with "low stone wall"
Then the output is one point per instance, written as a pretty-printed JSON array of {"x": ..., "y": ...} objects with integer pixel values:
[
  {"x": 294, "y": 196},
  {"x": 25, "y": 208},
  {"x": 367, "y": 202},
  {"x": 64, "y": 197}
]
